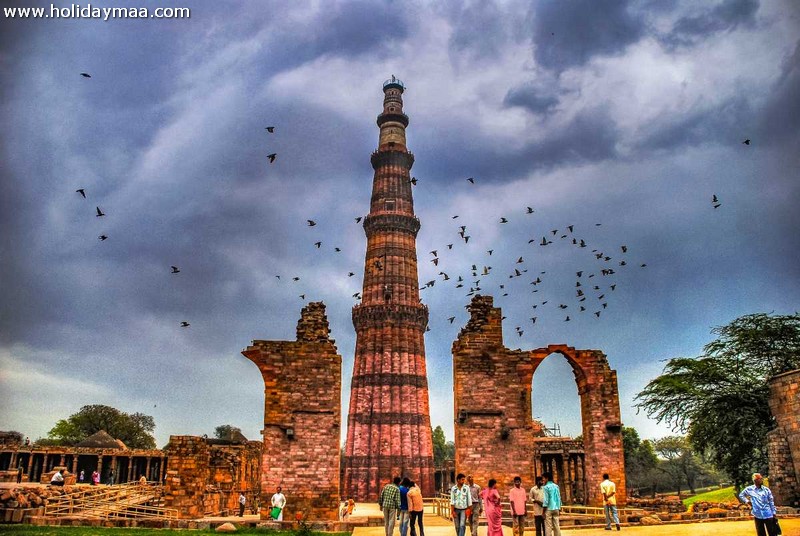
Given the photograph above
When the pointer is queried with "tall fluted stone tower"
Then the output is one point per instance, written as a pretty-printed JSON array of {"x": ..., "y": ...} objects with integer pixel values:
[{"x": 389, "y": 426}]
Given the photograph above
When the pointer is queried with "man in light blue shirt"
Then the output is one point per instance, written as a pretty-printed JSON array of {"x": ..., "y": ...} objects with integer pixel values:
[
  {"x": 460, "y": 500},
  {"x": 551, "y": 505},
  {"x": 760, "y": 499}
]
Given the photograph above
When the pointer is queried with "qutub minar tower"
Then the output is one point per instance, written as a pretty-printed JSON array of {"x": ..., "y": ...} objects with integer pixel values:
[{"x": 389, "y": 425}]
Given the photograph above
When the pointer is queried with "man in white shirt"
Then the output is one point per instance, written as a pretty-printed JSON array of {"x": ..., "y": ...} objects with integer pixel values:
[
  {"x": 278, "y": 501},
  {"x": 58, "y": 479},
  {"x": 537, "y": 496},
  {"x": 609, "y": 491}
]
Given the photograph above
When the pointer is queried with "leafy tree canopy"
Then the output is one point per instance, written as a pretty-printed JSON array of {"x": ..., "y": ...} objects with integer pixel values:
[
  {"x": 720, "y": 398},
  {"x": 442, "y": 449},
  {"x": 135, "y": 430},
  {"x": 226, "y": 431}
]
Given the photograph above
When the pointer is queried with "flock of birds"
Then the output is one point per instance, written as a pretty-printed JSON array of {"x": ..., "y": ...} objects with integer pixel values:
[{"x": 593, "y": 284}]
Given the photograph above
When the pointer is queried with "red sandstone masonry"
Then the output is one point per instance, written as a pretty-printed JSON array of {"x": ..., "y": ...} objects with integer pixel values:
[
  {"x": 495, "y": 435},
  {"x": 784, "y": 440},
  {"x": 302, "y": 416}
]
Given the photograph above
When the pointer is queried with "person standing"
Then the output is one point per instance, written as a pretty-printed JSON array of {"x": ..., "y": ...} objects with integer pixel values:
[
  {"x": 278, "y": 501},
  {"x": 404, "y": 515},
  {"x": 415, "y": 507},
  {"x": 19, "y": 474},
  {"x": 460, "y": 500},
  {"x": 389, "y": 501},
  {"x": 609, "y": 491},
  {"x": 537, "y": 496},
  {"x": 95, "y": 478},
  {"x": 517, "y": 498},
  {"x": 762, "y": 504},
  {"x": 551, "y": 505},
  {"x": 242, "y": 502},
  {"x": 111, "y": 478},
  {"x": 477, "y": 506},
  {"x": 81, "y": 476},
  {"x": 493, "y": 509}
]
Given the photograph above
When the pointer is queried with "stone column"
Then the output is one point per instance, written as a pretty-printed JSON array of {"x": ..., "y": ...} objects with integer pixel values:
[
  {"x": 130, "y": 468},
  {"x": 147, "y": 469},
  {"x": 75, "y": 464}
]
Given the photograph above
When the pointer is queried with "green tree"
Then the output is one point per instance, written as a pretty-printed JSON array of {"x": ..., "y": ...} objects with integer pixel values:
[
  {"x": 720, "y": 398},
  {"x": 135, "y": 430},
  {"x": 678, "y": 462},
  {"x": 226, "y": 431},
  {"x": 440, "y": 450},
  {"x": 640, "y": 459}
]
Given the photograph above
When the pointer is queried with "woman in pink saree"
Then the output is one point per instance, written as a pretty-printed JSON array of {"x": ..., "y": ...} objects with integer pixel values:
[{"x": 492, "y": 509}]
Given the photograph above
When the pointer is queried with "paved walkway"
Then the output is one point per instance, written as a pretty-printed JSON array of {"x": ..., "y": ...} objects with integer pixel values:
[{"x": 438, "y": 526}]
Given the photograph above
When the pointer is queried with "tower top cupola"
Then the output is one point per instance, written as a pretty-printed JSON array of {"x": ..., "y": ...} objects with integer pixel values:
[{"x": 394, "y": 82}]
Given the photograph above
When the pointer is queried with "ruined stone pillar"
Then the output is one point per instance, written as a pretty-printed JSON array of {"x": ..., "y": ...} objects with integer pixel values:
[
  {"x": 75, "y": 464},
  {"x": 302, "y": 418},
  {"x": 783, "y": 442},
  {"x": 130, "y": 468},
  {"x": 187, "y": 475},
  {"x": 147, "y": 469}
]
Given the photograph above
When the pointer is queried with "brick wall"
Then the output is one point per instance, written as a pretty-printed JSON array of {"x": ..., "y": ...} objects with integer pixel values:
[
  {"x": 495, "y": 434},
  {"x": 784, "y": 441},
  {"x": 302, "y": 418}
]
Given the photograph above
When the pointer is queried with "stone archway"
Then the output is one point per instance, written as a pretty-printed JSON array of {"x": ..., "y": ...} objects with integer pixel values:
[{"x": 494, "y": 432}]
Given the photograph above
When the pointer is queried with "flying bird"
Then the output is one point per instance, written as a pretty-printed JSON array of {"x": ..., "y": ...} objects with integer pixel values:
[
  {"x": 449, "y": 246},
  {"x": 185, "y": 324},
  {"x": 413, "y": 181},
  {"x": 715, "y": 201},
  {"x": 99, "y": 213},
  {"x": 471, "y": 180},
  {"x": 87, "y": 75},
  {"x": 434, "y": 253},
  {"x": 451, "y": 319},
  {"x": 175, "y": 270},
  {"x": 746, "y": 141},
  {"x": 302, "y": 296},
  {"x": 318, "y": 244},
  {"x": 337, "y": 250},
  {"x": 102, "y": 237},
  {"x": 529, "y": 210},
  {"x": 295, "y": 279},
  {"x": 82, "y": 192},
  {"x": 350, "y": 274},
  {"x": 503, "y": 220},
  {"x": 270, "y": 129},
  {"x": 311, "y": 223},
  {"x": 272, "y": 157},
  {"x": 624, "y": 249}
]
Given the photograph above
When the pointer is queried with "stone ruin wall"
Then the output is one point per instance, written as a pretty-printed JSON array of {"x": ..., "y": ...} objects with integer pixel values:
[
  {"x": 783, "y": 442},
  {"x": 205, "y": 477},
  {"x": 302, "y": 418},
  {"x": 495, "y": 434}
]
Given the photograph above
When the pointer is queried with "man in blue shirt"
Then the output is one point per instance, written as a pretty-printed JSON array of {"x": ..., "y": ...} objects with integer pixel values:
[
  {"x": 460, "y": 500},
  {"x": 551, "y": 505},
  {"x": 404, "y": 513},
  {"x": 760, "y": 499}
]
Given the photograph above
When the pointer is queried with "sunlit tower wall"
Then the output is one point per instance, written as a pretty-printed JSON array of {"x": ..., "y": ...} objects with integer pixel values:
[{"x": 389, "y": 426}]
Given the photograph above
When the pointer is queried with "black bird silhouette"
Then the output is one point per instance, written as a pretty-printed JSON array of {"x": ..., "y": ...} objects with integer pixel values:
[
  {"x": 413, "y": 181},
  {"x": 82, "y": 192},
  {"x": 277, "y": 277},
  {"x": 337, "y": 250},
  {"x": 270, "y": 129},
  {"x": 597, "y": 314},
  {"x": 87, "y": 75},
  {"x": 624, "y": 248},
  {"x": 102, "y": 237},
  {"x": 454, "y": 217},
  {"x": 451, "y": 319},
  {"x": 99, "y": 213},
  {"x": 434, "y": 253},
  {"x": 471, "y": 180},
  {"x": 520, "y": 260},
  {"x": 350, "y": 274},
  {"x": 272, "y": 157},
  {"x": 318, "y": 244},
  {"x": 529, "y": 211},
  {"x": 311, "y": 223},
  {"x": 466, "y": 239},
  {"x": 747, "y": 141},
  {"x": 489, "y": 251},
  {"x": 295, "y": 279},
  {"x": 503, "y": 220},
  {"x": 175, "y": 270},
  {"x": 715, "y": 201},
  {"x": 302, "y": 296},
  {"x": 185, "y": 324},
  {"x": 358, "y": 220},
  {"x": 449, "y": 246},
  {"x": 435, "y": 261},
  {"x": 566, "y": 319}
]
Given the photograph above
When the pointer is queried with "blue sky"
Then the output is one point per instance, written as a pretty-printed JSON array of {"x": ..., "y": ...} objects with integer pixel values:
[{"x": 630, "y": 115}]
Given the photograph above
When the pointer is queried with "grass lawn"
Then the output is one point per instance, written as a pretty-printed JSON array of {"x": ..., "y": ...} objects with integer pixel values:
[
  {"x": 717, "y": 495},
  {"x": 28, "y": 530}
]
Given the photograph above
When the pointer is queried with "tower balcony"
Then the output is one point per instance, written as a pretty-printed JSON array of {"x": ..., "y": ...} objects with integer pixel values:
[
  {"x": 395, "y": 83},
  {"x": 392, "y": 158}
]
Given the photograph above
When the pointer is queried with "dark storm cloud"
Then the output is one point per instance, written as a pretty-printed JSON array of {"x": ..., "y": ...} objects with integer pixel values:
[
  {"x": 590, "y": 136},
  {"x": 569, "y": 34},
  {"x": 725, "y": 123},
  {"x": 725, "y": 16},
  {"x": 480, "y": 30},
  {"x": 779, "y": 121},
  {"x": 537, "y": 100}
]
